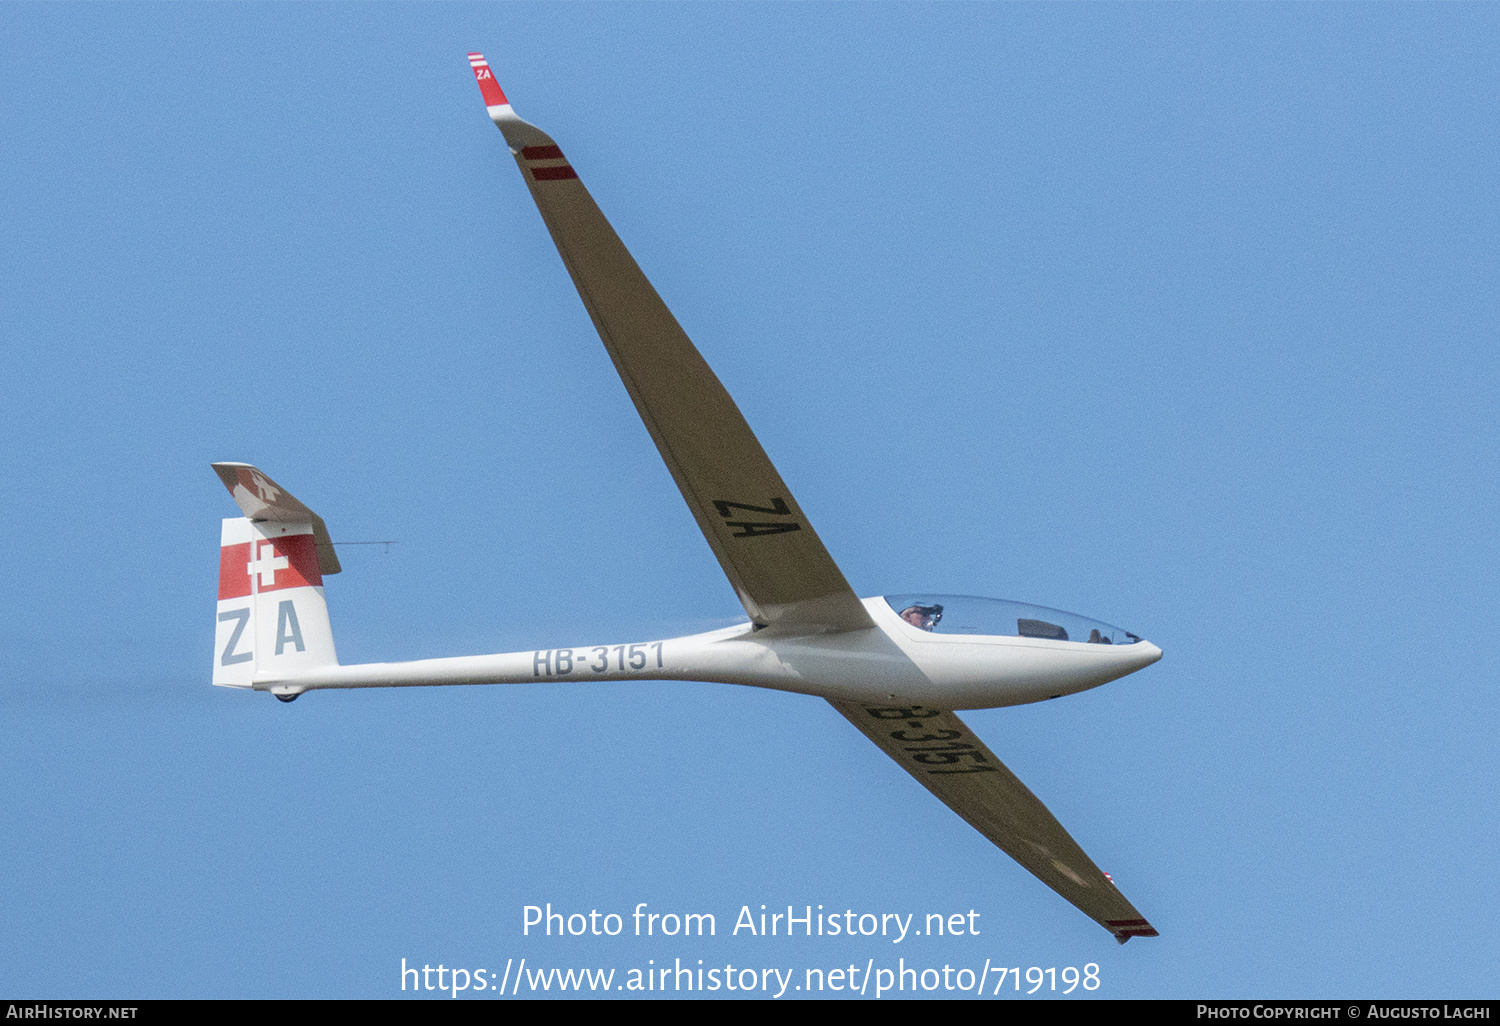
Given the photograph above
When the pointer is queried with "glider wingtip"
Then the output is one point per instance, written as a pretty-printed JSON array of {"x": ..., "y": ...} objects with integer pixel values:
[
  {"x": 493, "y": 95},
  {"x": 1124, "y": 929}
]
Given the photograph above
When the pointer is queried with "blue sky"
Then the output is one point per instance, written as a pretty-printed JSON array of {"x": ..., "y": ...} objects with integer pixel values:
[{"x": 1180, "y": 317}]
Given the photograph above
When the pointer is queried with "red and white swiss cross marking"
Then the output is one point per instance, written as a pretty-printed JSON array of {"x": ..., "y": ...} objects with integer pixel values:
[
  {"x": 258, "y": 484},
  {"x": 265, "y": 489},
  {"x": 269, "y": 565}
]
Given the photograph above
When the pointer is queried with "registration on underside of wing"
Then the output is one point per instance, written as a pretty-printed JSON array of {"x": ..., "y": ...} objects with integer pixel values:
[
  {"x": 773, "y": 558},
  {"x": 937, "y": 748}
]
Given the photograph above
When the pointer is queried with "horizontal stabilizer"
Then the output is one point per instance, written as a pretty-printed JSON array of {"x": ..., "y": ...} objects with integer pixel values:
[{"x": 262, "y": 499}]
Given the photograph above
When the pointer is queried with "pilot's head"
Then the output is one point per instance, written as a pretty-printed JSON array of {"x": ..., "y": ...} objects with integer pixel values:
[{"x": 925, "y": 617}]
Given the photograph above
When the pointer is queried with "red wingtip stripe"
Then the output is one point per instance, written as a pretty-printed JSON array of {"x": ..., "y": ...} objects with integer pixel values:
[
  {"x": 488, "y": 87},
  {"x": 553, "y": 174},
  {"x": 542, "y": 153}
]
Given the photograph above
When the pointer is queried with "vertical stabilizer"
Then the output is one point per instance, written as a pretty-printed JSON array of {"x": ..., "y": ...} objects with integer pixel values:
[{"x": 272, "y": 619}]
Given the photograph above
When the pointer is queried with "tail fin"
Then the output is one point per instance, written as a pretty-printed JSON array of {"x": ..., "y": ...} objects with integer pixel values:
[
  {"x": 264, "y": 499},
  {"x": 272, "y": 618}
]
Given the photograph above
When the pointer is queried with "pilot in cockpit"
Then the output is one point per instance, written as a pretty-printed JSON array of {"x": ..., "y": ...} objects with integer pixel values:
[{"x": 925, "y": 617}]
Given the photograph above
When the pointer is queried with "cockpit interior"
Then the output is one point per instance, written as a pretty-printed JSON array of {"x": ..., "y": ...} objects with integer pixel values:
[{"x": 967, "y": 614}]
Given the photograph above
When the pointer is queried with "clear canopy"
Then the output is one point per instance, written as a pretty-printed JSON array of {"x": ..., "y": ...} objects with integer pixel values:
[{"x": 966, "y": 614}]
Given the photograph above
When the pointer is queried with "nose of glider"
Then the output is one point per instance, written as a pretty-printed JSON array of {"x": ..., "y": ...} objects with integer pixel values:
[{"x": 1142, "y": 654}]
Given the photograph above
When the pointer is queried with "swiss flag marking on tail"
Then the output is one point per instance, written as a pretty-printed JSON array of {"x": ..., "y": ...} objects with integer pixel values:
[
  {"x": 275, "y": 564},
  {"x": 267, "y": 564},
  {"x": 254, "y": 481},
  {"x": 257, "y": 484}
]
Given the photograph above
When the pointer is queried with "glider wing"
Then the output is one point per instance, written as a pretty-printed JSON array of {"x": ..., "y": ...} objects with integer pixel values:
[
  {"x": 779, "y": 568},
  {"x": 937, "y": 748}
]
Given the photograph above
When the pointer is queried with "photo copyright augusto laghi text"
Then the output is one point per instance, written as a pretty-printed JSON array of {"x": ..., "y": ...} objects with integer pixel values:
[{"x": 987, "y": 977}]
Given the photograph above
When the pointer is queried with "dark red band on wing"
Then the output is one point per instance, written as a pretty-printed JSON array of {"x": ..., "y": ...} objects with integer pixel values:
[
  {"x": 553, "y": 174},
  {"x": 542, "y": 153}
]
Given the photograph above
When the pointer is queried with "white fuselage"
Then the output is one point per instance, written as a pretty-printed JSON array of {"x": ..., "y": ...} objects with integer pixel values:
[{"x": 892, "y": 660}]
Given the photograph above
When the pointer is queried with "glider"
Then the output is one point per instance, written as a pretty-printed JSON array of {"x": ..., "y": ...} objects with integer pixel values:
[{"x": 895, "y": 666}]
